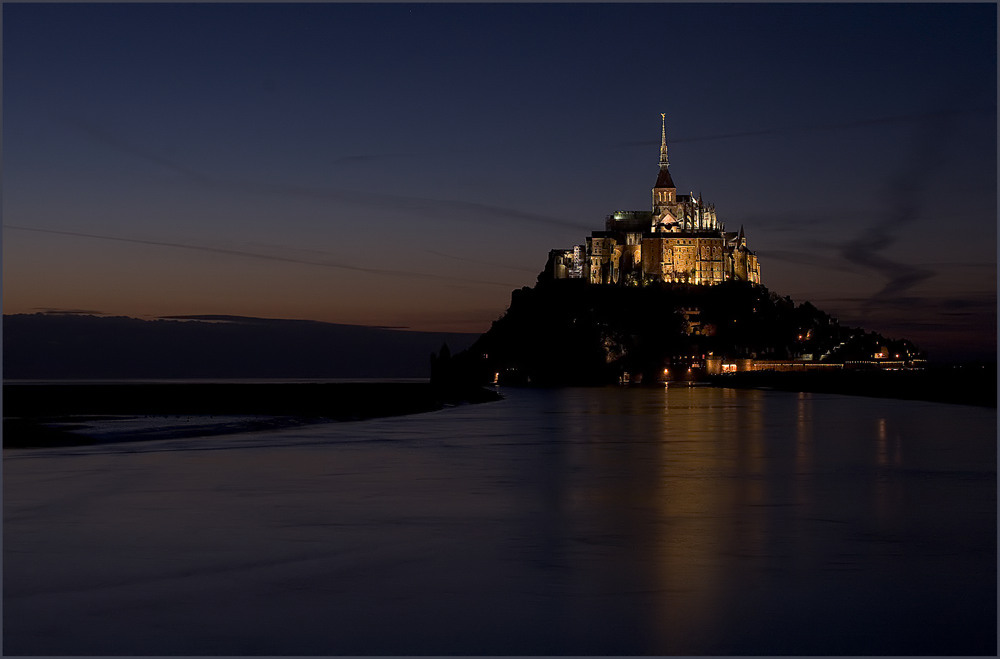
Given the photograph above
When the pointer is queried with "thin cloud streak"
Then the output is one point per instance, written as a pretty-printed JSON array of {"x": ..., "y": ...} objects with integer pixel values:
[
  {"x": 55, "y": 311},
  {"x": 375, "y": 156},
  {"x": 859, "y": 123},
  {"x": 480, "y": 261},
  {"x": 805, "y": 258},
  {"x": 262, "y": 256},
  {"x": 430, "y": 206},
  {"x": 906, "y": 192},
  {"x": 938, "y": 303}
]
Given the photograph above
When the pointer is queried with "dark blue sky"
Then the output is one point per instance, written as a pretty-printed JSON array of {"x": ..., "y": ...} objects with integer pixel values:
[{"x": 410, "y": 164}]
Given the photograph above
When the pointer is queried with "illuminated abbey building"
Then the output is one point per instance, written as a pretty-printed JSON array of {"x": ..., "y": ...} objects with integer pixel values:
[{"x": 680, "y": 240}]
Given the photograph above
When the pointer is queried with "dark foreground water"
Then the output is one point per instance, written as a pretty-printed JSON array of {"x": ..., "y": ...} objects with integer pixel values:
[{"x": 594, "y": 521}]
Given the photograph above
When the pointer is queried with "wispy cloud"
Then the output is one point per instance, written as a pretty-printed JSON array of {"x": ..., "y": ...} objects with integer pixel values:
[
  {"x": 782, "y": 220},
  {"x": 56, "y": 311},
  {"x": 806, "y": 258},
  {"x": 928, "y": 303},
  {"x": 450, "y": 209},
  {"x": 946, "y": 326},
  {"x": 367, "y": 157},
  {"x": 906, "y": 193},
  {"x": 491, "y": 264},
  {"x": 857, "y": 123},
  {"x": 256, "y": 320},
  {"x": 325, "y": 263}
]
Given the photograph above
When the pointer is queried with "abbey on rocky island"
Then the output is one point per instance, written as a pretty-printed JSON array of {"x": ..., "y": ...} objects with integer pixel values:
[{"x": 679, "y": 241}]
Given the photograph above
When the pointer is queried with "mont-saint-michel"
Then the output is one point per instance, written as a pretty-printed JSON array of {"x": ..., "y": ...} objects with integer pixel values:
[
  {"x": 681, "y": 240},
  {"x": 661, "y": 295}
]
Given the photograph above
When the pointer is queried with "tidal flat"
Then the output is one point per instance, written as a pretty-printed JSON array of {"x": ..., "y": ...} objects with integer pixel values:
[
  {"x": 68, "y": 413},
  {"x": 616, "y": 521}
]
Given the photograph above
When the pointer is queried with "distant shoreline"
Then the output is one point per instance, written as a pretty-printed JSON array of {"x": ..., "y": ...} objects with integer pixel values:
[
  {"x": 45, "y": 415},
  {"x": 969, "y": 385}
]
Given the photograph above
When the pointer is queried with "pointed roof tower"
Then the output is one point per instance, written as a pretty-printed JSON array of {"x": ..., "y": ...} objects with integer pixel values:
[
  {"x": 664, "y": 180},
  {"x": 664, "y": 161}
]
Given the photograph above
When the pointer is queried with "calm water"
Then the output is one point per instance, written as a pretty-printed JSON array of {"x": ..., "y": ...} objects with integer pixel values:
[{"x": 582, "y": 521}]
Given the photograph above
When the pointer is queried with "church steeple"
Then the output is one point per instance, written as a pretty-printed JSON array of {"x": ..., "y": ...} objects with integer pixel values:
[
  {"x": 663, "y": 181},
  {"x": 664, "y": 161}
]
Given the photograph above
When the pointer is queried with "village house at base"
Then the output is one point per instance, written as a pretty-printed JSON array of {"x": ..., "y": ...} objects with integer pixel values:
[{"x": 679, "y": 241}]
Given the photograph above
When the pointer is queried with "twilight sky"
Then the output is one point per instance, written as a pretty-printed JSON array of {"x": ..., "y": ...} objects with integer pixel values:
[{"x": 409, "y": 165}]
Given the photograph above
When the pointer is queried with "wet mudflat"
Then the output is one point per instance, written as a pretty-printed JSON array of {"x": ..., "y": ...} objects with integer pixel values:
[
  {"x": 68, "y": 414},
  {"x": 576, "y": 521}
]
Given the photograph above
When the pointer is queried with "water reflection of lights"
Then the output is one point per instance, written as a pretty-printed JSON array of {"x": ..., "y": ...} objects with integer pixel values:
[
  {"x": 882, "y": 439},
  {"x": 888, "y": 446},
  {"x": 803, "y": 432}
]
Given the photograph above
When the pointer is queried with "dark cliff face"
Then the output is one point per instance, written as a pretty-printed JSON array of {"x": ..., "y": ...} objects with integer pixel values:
[
  {"x": 557, "y": 334},
  {"x": 567, "y": 332}
]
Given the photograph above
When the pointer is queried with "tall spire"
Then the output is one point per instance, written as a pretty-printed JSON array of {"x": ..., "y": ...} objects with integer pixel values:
[
  {"x": 663, "y": 180},
  {"x": 664, "y": 163}
]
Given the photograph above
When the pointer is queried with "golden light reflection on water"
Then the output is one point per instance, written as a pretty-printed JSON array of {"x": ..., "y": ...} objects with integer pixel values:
[
  {"x": 685, "y": 553},
  {"x": 706, "y": 493},
  {"x": 889, "y": 448},
  {"x": 803, "y": 432},
  {"x": 703, "y": 484},
  {"x": 883, "y": 442},
  {"x": 888, "y": 455},
  {"x": 660, "y": 496},
  {"x": 804, "y": 449}
]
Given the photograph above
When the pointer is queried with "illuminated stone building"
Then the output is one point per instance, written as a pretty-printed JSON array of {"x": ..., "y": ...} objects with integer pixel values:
[{"x": 680, "y": 240}]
